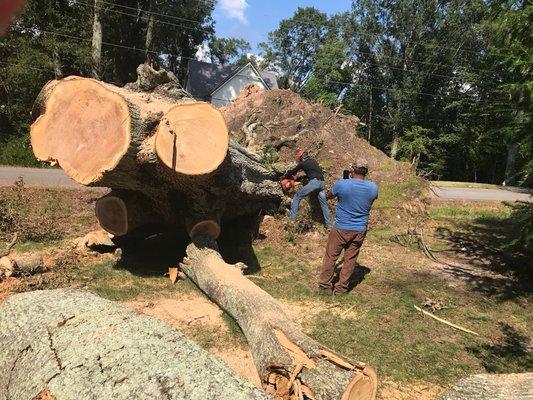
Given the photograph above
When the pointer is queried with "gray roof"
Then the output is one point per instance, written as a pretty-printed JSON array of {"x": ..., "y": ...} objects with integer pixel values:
[
  {"x": 203, "y": 78},
  {"x": 270, "y": 79}
]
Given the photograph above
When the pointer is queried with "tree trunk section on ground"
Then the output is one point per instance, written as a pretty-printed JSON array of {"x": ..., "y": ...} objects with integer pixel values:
[
  {"x": 290, "y": 364},
  {"x": 16, "y": 264},
  {"x": 72, "y": 344},
  {"x": 169, "y": 159},
  {"x": 492, "y": 387}
]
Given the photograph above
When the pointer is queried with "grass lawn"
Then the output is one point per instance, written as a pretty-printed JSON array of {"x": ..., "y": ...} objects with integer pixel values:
[{"x": 477, "y": 283}]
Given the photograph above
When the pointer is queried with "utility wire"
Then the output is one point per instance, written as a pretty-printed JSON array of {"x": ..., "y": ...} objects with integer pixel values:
[
  {"x": 389, "y": 57},
  {"x": 145, "y": 18},
  {"x": 148, "y": 12}
]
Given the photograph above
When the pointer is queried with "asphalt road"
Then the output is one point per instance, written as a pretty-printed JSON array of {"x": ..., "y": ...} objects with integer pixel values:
[
  {"x": 37, "y": 177},
  {"x": 475, "y": 194}
]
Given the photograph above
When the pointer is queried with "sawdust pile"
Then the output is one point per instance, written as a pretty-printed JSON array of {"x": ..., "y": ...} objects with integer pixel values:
[{"x": 275, "y": 123}]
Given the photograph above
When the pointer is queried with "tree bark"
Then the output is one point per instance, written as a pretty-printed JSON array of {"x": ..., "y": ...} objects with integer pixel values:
[
  {"x": 168, "y": 160},
  {"x": 15, "y": 264},
  {"x": 149, "y": 33},
  {"x": 287, "y": 360},
  {"x": 512, "y": 151},
  {"x": 72, "y": 344},
  {"x": 492, "y": 387},
  {"x": 97, "y": 41}
]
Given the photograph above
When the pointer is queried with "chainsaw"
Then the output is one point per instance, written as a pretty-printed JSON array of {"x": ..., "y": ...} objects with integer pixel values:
[{"x": 288, "y": 185}]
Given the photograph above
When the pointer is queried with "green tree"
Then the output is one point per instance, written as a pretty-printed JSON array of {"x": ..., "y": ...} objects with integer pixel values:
[
  {"x": 292, "y": 47},
  {"x": 227, "y": 50}
]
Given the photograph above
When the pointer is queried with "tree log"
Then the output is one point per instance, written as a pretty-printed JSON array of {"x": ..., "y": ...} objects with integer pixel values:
[
  {"x": 492, "y": 387},
  {"x": 20, "y": 264},
  {"x": 72, "y": 344},
  {"x": 287, "y": 360},
  {"x": 175, "y": 154}
]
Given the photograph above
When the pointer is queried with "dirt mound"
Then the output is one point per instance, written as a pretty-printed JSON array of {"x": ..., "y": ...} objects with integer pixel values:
[{"x": 274, "y": 123}]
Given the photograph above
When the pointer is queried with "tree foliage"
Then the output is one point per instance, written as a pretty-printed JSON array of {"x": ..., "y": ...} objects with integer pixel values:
[
  {"x": 52, "y": 39},
  {"x": 445, "y": 84}
]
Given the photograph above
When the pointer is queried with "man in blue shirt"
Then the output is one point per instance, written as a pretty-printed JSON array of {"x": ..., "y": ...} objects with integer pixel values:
[{"x": 355, "y": 197}]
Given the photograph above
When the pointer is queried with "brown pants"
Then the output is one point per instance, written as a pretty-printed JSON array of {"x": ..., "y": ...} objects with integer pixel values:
[{"x": 339, "y": 239}]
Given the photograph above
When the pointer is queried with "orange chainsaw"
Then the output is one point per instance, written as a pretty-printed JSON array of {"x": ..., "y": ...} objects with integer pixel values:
[{"x": 288, "y": 185}]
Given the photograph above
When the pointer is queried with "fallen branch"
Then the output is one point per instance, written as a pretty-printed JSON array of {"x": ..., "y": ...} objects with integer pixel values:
[
  {"x": 10, "y": 245},
  {"x": 446, "y": 322}
]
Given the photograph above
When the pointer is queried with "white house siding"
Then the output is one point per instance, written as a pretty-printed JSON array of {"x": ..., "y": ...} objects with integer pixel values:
[{"x": 229, "y": 91}]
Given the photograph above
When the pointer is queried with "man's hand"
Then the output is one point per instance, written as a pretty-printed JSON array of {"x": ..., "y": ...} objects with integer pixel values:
[{"x": 8, "y": 10}]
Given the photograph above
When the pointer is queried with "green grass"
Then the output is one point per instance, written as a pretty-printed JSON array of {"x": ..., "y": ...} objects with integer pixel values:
[{"x": 468, "y": 212}]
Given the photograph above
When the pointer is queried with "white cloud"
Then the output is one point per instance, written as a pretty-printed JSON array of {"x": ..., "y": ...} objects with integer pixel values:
[
  {"x": 234, "y": 8},
  {"x": 202, "y": 52}
]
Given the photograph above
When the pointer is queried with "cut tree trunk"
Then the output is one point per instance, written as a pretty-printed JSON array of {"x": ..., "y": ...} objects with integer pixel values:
[
  {"x": 97, "y": 132},
  {"x": 492, "y": 387},
  {"x": 72, "y": 344},
  {"x": 24, "y": 264},
  {"x": 290, "y": 364},
  {"x": 168, "y": 158}
]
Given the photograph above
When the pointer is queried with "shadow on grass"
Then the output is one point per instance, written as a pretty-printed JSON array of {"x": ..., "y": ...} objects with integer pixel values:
[
  {"x": 357, "y": 277},
  {"x": 486, "y": 243},
  {"x": 511, "y": 354},
  {"x": 153, "y": 254}
]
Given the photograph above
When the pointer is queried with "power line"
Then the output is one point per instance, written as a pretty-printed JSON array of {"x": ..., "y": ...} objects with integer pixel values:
[
  {"x": 118, "y": 45},
  {"x": 155, "y": 20},
  {"x": 150, "y": 12},
  {"x": 436, "y": 95}
]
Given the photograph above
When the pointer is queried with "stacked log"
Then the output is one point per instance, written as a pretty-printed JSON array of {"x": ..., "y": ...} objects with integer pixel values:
[{"x": 168, "y": 161}]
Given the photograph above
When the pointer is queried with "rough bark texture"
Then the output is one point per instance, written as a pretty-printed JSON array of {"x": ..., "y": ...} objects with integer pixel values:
[
  {"x": 21, "y": 264},
  {"x": 283, "y": 355},
  {"x": 163, "y": 154},
  {"x": 492, "y": 387},
  {"x": 74, "y": 345}
]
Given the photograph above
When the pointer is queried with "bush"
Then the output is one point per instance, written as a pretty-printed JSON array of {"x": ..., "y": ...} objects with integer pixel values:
[
  {"x": 17, "y": 151},
  {"x": 37, "y": 224},
  {"x": 521, "y": 241}
]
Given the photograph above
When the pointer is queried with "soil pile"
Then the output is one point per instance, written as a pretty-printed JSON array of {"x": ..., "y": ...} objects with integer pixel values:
[{"x": 275, "y": 123}]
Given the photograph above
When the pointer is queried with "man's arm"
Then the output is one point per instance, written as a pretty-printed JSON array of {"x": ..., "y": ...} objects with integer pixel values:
[
  {"x": 333, "y": 192},
  {"x": 292, "y": 172}
]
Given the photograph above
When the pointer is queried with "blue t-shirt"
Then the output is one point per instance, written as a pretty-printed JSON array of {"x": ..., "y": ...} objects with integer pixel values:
[{"x": 355, "y": 198}]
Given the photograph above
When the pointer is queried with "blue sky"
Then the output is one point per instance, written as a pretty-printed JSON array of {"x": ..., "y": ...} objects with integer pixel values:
[{"x": 253, "y": 19}]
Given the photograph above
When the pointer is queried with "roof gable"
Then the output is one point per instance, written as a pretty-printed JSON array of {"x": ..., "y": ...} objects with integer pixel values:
[{"x": 203, "y": 78}]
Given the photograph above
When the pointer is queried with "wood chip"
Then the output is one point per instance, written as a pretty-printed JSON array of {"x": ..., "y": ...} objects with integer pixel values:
[{"x": 173, "y": 274}]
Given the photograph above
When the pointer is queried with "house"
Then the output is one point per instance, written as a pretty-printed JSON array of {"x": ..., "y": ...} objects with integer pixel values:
[{"x": 222, "y": 84}]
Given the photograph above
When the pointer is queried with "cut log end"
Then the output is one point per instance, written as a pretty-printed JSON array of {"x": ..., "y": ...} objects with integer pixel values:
[
  {"x": 112, "y": 215},
  {"x": 192, "y": 139},
  {"x": 85, "y": 128},
  {"x": 207, "y": 228},
  {"x": 363, "y": 386}
]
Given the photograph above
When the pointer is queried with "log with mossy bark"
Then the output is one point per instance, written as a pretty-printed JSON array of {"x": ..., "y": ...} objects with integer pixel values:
[
  {"x": 170, "y": 157},
  {"x": 291, "y": 365},
  {"x": 70, "y": 344}
]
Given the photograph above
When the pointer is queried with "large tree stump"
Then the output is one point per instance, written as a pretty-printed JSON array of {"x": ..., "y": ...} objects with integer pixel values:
[
  {"x": 72, "y": 344},
  {"x": 289, "y": 363}
]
